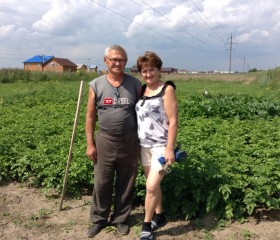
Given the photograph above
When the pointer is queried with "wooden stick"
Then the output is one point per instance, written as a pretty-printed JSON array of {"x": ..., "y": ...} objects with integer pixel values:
[{"x": 72, "y": 142}]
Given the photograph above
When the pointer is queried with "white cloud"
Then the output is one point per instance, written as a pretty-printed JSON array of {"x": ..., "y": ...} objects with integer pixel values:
[
  {"x": 277, "y": 27},
  {"x": 63, "y": 18},
  {"x": 6, "y": 30},
  {"x": 185, "y": 33},
  {"x": 255, "y": 35}
]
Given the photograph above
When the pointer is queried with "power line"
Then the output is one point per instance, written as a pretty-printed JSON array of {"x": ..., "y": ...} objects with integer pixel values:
[
  {"x": 176, "y": 25},
  {"x": 11, "y": 57},
  {"x": 191, "y": 23},
  {"x": 148, "y": 28},
  {"x": 200, "y": 15},
  {"x": 203, "y": 18},
  {"x": 9, "y": 54}
]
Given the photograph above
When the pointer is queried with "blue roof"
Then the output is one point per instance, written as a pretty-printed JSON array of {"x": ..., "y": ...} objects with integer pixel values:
[{"x": 38, "y": 59}]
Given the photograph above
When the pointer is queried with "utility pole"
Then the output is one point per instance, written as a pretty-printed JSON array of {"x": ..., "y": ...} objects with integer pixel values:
[
  {"x": 244, "y": 62},
  {"x": 43, "y": 62},
  {"x": 88, "y": 64},
  {"x": 230, "y": 50}
]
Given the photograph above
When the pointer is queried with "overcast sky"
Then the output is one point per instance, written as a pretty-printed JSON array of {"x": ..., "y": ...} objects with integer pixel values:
[{"x": 186, "y": 34}]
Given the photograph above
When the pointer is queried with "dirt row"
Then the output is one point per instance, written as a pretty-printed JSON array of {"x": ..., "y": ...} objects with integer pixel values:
[{"x": 27, "y": 214}]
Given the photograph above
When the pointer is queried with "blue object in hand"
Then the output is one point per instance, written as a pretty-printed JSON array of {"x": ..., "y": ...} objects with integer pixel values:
[
  {"x": 179, "y": 155},
  {"x": 161, "y": 160}
]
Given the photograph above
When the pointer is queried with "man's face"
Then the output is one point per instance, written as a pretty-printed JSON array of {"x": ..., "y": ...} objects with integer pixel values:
[{"x": 115, "y": 61}]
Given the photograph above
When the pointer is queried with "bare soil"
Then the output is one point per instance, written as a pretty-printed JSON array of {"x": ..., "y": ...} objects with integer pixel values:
[{"x": 27, "y": 214}]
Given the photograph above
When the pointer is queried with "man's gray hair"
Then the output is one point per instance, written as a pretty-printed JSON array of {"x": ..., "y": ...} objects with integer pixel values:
[{"x": 117, "y": 48}]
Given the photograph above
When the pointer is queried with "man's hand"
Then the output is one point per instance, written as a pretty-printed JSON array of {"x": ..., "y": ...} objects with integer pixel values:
[{"x": 92, "y": 153}]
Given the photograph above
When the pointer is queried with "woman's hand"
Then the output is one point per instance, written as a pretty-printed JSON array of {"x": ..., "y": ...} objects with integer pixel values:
[{"x": 169, "y": 157}]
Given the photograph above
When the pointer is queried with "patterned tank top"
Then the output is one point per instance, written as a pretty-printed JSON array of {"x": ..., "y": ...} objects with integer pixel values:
[{"x": 152, "y": 119}]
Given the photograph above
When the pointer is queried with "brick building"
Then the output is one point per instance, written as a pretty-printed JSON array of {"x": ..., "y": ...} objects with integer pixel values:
[{"x": 49, "y": 63}]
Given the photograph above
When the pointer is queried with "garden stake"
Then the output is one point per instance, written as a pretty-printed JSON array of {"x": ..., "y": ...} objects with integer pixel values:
[{"x": 72, "y": 142}]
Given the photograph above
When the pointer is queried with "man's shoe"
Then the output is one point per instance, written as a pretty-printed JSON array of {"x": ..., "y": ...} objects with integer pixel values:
[
  {"x": 123, "y": 228},
  {"x": 95, "y": 229}
]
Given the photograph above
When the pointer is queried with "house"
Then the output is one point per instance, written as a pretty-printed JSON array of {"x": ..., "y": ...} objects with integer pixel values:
[
  {"x": 182, "y": 71},
  {"x": 49, "y": 63},
  {"x": 92, "y": 68},
  {"x": 134, "y": 69},
  {"x": 168, "y": 70},
  {"x": 82, "y": 68},
  {"x": 36, "y": 63},
  {"x": 163, "y": 70},
  {"x": 59, "y": 65}
]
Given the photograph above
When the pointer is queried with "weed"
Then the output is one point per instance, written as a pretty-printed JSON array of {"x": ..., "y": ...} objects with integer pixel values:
[
  {"x": 222, "y": 224},
  {"x": 137, "y": 229},
  {"x": 42, "y": 213},
  {"x": 208, "y": 236},
  {"x": 246, "y": 234},
  {"x": 69, "y": 224}
]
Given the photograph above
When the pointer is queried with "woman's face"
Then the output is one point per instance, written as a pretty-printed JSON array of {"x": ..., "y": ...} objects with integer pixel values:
[{"x": 150, "y": 74}]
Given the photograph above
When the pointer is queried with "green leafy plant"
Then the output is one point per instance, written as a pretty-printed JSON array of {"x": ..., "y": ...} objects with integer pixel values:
[{"x": 232, "y": 142}]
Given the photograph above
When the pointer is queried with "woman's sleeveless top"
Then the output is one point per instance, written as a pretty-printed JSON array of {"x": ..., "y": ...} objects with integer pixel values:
[{"x": 152, "y": 120}]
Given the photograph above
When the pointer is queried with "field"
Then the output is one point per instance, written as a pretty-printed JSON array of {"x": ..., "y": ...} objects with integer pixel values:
[{"x": 228, "y": 124}]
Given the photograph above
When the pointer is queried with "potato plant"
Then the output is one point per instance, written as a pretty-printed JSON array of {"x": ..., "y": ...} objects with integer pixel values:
[{"x": 232, "y": 141}]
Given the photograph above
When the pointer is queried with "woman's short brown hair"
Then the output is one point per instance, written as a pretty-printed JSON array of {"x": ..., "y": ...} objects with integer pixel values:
[{"x": 149, "y": 59}]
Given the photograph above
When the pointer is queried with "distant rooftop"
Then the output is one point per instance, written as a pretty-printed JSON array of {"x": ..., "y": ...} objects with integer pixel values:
[
  {"x": 38, "y": 59},
  {"x": 64, "y": 62}
]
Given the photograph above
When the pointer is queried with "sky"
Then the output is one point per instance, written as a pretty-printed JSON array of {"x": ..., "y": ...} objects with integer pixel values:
[{"x": 196, "y": 35}]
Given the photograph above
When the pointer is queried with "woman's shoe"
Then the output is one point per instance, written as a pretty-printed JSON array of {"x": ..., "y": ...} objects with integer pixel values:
[{"x": 147, "y": 235}]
